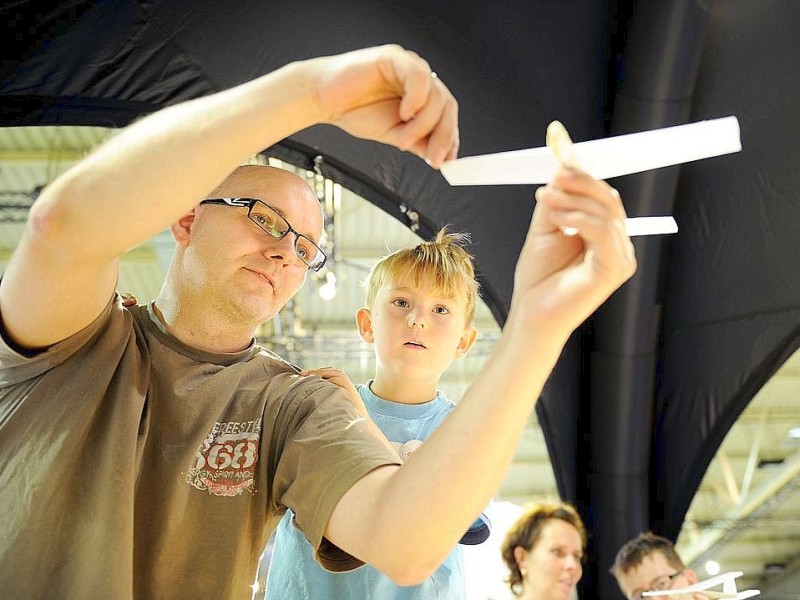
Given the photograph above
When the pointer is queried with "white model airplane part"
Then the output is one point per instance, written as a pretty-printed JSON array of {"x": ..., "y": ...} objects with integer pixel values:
[
  {"x": 726, "y": 580},
  {"x": 560, "y": 143},
  {"x": 603, "y": 158},
  {"x": 650, "y": 225},
  {"x": 563, "y": 149}
]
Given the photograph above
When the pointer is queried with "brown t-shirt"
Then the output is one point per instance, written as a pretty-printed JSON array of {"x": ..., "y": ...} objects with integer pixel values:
[{"x": 135, "y": 466}]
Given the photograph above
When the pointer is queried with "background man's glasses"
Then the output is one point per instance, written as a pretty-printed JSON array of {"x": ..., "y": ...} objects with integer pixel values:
[
  {"x": 274, "y": 224},
  {"x": 658, "y": 585}
]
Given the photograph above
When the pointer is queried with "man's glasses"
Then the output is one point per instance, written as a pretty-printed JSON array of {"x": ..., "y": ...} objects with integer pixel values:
[
  {"x": 657, "y": 585},
  {"x": 273, "y": 223}
]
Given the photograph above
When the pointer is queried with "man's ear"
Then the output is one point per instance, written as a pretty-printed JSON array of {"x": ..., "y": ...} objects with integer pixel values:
[
  {"x": 182, "y": 228},
  {"x": 364, "y": 321},
  {"x": 466, "y": 342}
]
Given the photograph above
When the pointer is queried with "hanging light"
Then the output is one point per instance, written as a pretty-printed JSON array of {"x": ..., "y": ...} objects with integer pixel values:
[
  {"x": 712, "y": 567},
  {"x": 327, "y": 291}
]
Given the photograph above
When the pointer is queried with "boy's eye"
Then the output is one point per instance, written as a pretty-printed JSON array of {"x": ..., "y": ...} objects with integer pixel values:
[
  {"x": 400, "y": 302},
  {"x": 441, "y": 310}
]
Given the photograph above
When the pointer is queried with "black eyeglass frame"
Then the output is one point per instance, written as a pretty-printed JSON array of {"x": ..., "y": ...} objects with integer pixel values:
[
  {"x": 249, "y": 203},
  {"x": 658, "y": 587}
]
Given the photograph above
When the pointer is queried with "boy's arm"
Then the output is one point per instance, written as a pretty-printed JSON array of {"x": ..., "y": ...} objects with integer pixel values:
[
  {"x": 405, "y": 520},
  {"x": 156, "y": 170}
]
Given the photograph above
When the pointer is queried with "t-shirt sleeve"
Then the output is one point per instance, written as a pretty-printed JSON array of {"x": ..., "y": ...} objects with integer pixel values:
[
  {"x": 20, "y": 365},
  {"x": 326, "y": 448}
]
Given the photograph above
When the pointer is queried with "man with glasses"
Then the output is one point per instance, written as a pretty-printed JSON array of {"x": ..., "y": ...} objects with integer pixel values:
[
  {"x": 272, "y": 222},
  {"x": 650, "y": 563},
  {"x": 148, "y": 451}
]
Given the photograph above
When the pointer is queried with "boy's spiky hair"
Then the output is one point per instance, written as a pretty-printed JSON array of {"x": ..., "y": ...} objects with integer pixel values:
[{"x": 443, "y": 263}]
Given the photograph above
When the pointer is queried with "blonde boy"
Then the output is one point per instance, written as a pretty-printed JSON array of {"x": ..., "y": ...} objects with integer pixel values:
[{"x": 419, "y": 318}]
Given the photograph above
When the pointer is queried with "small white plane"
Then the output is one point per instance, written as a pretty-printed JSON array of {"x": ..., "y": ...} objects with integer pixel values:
[
  {"x": 602, "y": 158},
  {"x": 726, "y": 580}
]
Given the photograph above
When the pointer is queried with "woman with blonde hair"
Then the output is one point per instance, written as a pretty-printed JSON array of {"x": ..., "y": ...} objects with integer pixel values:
[{"x": 544, "y": 551}]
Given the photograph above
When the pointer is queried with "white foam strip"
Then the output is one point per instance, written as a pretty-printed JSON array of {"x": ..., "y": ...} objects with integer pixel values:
[
  {"x": 650, "y": 226},
  {"x": 603, "y": 158}
]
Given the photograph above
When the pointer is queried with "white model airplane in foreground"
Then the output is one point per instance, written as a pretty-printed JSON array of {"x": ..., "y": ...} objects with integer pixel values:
[
  {"x": 603, "y": 159},
  {"x": 726, "y": 580}
]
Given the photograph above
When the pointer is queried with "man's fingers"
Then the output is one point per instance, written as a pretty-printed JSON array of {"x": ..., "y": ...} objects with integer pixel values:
[
  {"x": 433, "y": 131},
  {"x": 428, "y": 111},
  {"x": 580, "y": 184},
  {"x": 414, "y": 75},
  {"x": 589, "y": 226},
  {"x": 434, "y": 139},
  {"x": 390, "y": 95},
  {"x": 323, "y": 372},
  {"x": 576, "y": 202},
  {"x": 444, "y": 140},
  {"x": 574, "y": 208},
  {"x": 423, "y": 123}
]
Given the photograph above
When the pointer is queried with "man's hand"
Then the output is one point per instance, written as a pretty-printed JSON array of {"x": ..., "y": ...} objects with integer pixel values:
[
  {"x": 338, "y": 377},
  {"x": 391, "y": 95},
  {"x": 561, "y": 279},
  {"x": 343, "y": 381}
]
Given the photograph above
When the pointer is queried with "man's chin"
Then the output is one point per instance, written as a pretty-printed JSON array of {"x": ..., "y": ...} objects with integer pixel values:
[{"x": 255, "y": 313}]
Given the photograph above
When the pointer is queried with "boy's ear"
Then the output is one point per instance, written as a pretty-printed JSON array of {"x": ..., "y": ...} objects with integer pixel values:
[
  {"x": 466, "y": 342},
  {"x": 182, "y": 228},
  {"x": 690, "y": 575},
  {"x": 364, "y": 321}
]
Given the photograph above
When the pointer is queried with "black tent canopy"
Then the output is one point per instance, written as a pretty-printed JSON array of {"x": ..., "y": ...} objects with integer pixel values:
[{"x": 645, "y": 392}]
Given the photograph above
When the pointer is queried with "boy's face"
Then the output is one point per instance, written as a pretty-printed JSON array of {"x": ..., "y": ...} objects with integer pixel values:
[
  {"x": 417, "y": 333},
  {"x": 654, "y": 572}
]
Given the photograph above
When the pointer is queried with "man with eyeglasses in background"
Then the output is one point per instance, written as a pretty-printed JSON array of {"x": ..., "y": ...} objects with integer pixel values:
[
  {"x": 650, "y": 563},
  {"x": 149, "y": 450}
]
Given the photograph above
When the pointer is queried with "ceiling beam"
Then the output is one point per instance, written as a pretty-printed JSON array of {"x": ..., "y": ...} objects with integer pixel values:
[{"x": 757, "y": 504}]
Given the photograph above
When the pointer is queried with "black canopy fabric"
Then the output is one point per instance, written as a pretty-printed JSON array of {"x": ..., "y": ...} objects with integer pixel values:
[{"x": 645, "y": 392}]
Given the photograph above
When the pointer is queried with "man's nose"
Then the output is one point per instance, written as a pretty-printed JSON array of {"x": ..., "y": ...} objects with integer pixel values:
[{"x": 282, "y": 249}]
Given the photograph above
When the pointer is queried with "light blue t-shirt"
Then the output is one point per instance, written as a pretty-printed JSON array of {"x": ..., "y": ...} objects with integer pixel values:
[{"x": 295, "y": 575}]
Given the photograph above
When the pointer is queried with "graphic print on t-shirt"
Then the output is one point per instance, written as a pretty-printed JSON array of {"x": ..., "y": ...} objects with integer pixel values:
[{"x": 227, "y": 459}]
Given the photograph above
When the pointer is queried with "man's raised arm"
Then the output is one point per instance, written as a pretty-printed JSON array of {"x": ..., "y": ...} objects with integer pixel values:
[
  {"x": 405, "y": 520},
  {"x": 155, "y": 171}
]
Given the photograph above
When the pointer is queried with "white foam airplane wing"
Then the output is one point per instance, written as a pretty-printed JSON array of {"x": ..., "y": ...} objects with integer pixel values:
[
  {"x": 726, "y": 580},
  {"x": 602, "y": 159}
]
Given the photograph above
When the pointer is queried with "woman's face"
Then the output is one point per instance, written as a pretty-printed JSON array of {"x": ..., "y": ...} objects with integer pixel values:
[{"x": 552, "y": 568}]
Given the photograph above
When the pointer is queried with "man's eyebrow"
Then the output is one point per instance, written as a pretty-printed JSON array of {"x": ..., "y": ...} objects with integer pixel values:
[{"x": 278, "y": 210}]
